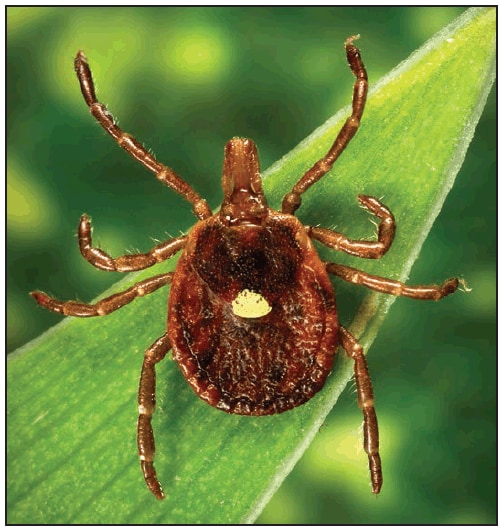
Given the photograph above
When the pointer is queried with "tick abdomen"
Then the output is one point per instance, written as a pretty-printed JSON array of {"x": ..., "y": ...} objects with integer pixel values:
[{"x": 253, "y": 365}]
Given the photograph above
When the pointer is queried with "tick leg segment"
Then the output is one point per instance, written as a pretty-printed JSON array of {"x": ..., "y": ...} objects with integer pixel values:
[
  {"x": 146, "y": 404},
  {"x": 129, "y": 262},
  {"x": 292, "y": 200},
  {"x": 131, "y": 145},
  {"x": 104, "y": 306},
  {"x": 393, "y": 287},
  {"x": 365, "y": 400},
  {"x": 361, "y": 248}
]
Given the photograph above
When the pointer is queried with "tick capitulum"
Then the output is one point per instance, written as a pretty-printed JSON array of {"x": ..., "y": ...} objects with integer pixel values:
[{"x": 252, "y": 319}]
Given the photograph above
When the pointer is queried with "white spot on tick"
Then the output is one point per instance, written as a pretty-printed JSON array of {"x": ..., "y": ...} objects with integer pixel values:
[{"x": 250, "y": 304}]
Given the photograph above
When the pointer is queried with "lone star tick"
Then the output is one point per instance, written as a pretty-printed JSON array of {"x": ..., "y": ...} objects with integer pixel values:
[{"x": 252, "y": 319}]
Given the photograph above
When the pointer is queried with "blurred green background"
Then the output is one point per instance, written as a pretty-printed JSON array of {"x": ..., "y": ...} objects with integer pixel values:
[{"x": 184, "y": 81}]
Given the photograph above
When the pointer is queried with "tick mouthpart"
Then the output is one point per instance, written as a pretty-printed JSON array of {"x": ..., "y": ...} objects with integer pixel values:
[
  {"x": 241, "y": 166},
  {"x": 244, "y": 200}
]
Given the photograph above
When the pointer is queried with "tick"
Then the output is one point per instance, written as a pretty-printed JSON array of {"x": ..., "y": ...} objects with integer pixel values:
[{"x": 252, "y": 319}]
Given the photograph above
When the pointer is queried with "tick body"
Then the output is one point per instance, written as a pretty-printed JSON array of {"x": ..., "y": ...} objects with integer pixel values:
[
  {"x": 256, "y": 365},
  {"x": 252, "y": 317}
]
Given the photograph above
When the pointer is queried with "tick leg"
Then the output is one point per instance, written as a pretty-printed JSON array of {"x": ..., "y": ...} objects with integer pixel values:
[
  {"x": 292, "y": 200},
  {"x": 365, "y": 400},
  {"x": 361, "y": 248},
  {"x": 129, "y": 262},
  {"x": 131, "y": 145},
  {"x": 393, "y": 287},
  {"x": 146, "y": 404},
  {"x": 104, "y": 306}
]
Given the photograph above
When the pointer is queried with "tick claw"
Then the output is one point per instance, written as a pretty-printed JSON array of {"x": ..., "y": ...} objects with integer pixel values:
[{"x": 464, "y": 286}]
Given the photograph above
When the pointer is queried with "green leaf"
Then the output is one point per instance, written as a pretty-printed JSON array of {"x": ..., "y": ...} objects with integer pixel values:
[{"x": 72, "y": 392}]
